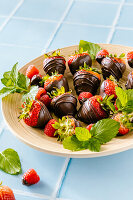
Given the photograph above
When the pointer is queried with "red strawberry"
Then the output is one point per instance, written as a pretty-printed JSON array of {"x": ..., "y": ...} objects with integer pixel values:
[
  {"x": 123, "y": 130},
  {"x": 89, "y": 127},
  {"x": 31, "y": 71},
  {"x": 40, "y": 93},
  {"x": 51, "y": 79},
  {"x": 130, "y": 58},
  {"x": 101, "y": 54},
  {"x": 46, "y": 100},
  {"x": 108, "y": 88},
  {"x": 49, "y": 129},
  {"x": 30, "y": 177},
  {"x": 83, "y": 96},
  {"x": 6, "y": 193},
  {"x": 35, "y": 113},
  {"x": 115, "y": 106}
]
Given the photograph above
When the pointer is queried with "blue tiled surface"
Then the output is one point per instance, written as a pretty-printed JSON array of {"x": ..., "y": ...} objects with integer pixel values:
[{"x": 23, "y": 38}]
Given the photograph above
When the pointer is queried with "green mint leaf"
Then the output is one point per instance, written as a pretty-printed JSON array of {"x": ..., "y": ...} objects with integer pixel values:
[
  {"x": 7, "y": 82},
  {"x": 23, "y": 81},
  {"x": 115, "y": 55},
  {"x": 129, "y": 94},
  {"x": 82, "y": 134},
  {"x": 31, "y": 94},
  {"x": 10, "y": 162},
  {"x": 118, "y": 104},
  {"x": 92, "y": 48},
  {"x": 72, "y": 143},
  {"x": 94, "y": 145},
  {"x": 122, "y": 55},
  {"x": 105, "y": 129},
  {"x": 122, "y": 95},
  {"x": 6, "y": 91},
  {"x": 14, "y": 73},
  {"x": 128, "y": 107}
]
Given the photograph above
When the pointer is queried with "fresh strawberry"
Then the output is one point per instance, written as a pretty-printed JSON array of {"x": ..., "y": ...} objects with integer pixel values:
[
  {"x": 49, "y": 130},
  {"x": 46, "y": 100},
  {"x": 89, "y": 127},
  {"x": 83, "y": 96},
  {"x": 34, "y": 113},
  {"x": 108, "y": 87},
  {"x": 78, "y": 59},
  {"x": 115, "y": 106},
  {"x": 40, "y": 93},
  {"x": 130, "y": 58},
  {"x": 30, "y": 177},
  {"x": 31, "y": 71},
  {"x": 123, "y": 130},
  {"x": 6, "y": 193},
  {"x": 101, "y": 54},
  {"x": 50, "y": 79}
]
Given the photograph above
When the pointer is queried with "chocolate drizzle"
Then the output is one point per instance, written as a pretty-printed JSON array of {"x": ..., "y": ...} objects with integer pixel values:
[
  {"x": 58, "y": 84},
  {"x": 79, "y": 61},
  {"x": 36, "y": 79},
  {"x": 64, "y": 104},
  {"x": 130, "y": 62},
  {"x": 129, "y": 84},
  {"x": 85, "y": 82},
  {"x": 53, "y": 64},
  {"x": 88, "y": 114},
  {"x": 110, "y": 66}
]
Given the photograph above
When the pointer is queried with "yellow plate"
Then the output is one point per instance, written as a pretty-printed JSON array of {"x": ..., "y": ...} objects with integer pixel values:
[{"x": 35, "y": 138}]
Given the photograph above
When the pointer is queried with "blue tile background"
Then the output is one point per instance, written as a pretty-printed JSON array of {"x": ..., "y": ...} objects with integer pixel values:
[{"x": 24, "y": 36}]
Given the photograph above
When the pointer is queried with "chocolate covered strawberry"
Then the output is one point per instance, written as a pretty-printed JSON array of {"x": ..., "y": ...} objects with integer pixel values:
[
  {"x": 108, "y": 87},
  {"x": 91, "y": 110},
  {"x": 35, "y": 113},
  {"x": 63, "y": 103},
  {"x": 83, "y": 96},
  {"x": 36, "y": 80},
  {"x": 101, "y": 54},
  {"x": 130, "y": 58},
  {"x": 129, "y": 83},
  {"x": 54, "y": 63},
  {"x": 78, "y": 59},
  {"x": 86, "y": 80},
  {"x": 55, "y": 81},
  {"x": 6, "y": 193}
]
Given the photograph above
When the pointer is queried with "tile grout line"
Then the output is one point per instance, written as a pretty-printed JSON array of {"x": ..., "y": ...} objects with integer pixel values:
[
  {"x": 11, "y": 14},
  {"x": 58, "y": 26},
  {"x": 110, "y": 36}
]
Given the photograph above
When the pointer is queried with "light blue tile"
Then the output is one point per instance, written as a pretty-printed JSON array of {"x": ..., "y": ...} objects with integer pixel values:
[
  {"x": 71, "y": 34},
  {"x": 43, "y": 9},
  {"x": 22, "y": 197},
  {"x": 7, "y": 6},
  {"x": 124, "y": 37},
  {"x": 126, "y": 17},
  {"x": 2, "y": 20},
  {"x": 47, "y": 166},
  {"x": 92, "y": 13},
  {"x": 129, "y": 1},
  {"x": 29, "y": 33},
  {"x": 100, "y": 178}
]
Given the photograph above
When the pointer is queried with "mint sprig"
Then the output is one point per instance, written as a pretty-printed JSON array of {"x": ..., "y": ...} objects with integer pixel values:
[{"x": 31, "y": 94}]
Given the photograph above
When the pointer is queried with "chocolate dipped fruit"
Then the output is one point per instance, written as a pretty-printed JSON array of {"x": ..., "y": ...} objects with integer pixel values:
[
  {"x": 103, "y": 53},
  {"x": 63, "y": 103},
  {"x": 36, "y": 80},
  {"x": 130, "y": 58},
  {"x": 87, "y": 79},
  {"x": 129, "y": 83},
  {"x": 54, "y": 63},
  {"x": 78, "y": 59}
]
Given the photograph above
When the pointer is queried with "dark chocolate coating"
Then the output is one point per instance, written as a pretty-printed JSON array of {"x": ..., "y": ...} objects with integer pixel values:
[
  {"x": 53, "y": 64},
  {"x": 58, "y": 84},
  {"x": 77, "y": 123},
  {"x": 88, "y": 114},
  {"x": 64, "y": 104},
  {"x": 129, "y": 84},
  {"x": 36, "y": 79},
  {"x": 44, "y": 116},
  {"x": 85, "y": 82},
  {"x": 99, "y": 58},
  {"x": 74, "y": 66},
  {"x": 130, "y": 62},
  {"x": 110, "y": 66}
]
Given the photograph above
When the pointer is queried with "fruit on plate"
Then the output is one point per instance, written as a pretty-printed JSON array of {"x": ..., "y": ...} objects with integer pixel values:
[
  {"x": 35, "y": 113},
  {"x": 130, "y": 58},
  {"x": 31, "y": 71},
  {"x": 54, "y": 63},
  {"x": 49, "y": 130},
  {"x": 78, "y": 59},
  {"x": 55, "y": 81},
  {"x": 113, "y": 66},
  {"x": 36, "y": 80},
  {"x": 91, "y": 110},
  {"x": 103, "y": 53},
  {"x": 86, "y": 80},
  {"x": 63, "y": 103},
  {"x": 89, "y": 127},
  {"x": 6, "y": 193},
  {"x": 108, "y": 87},
  {"x": 40, "y": 93},
  {"x": 83, "y": 96},
  {"x": 30, "y": 177},
  {"x": 66, "y": 127},
  {"x": 129, "y": 83},
  {"x": 46, "y": 100}
]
